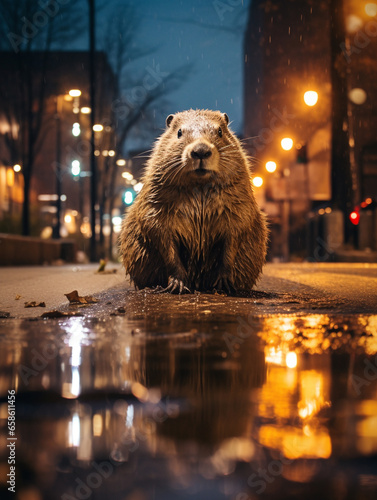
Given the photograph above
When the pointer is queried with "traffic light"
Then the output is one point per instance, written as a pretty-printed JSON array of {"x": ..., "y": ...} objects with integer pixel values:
[
  {"x": 355, "y": 217},
  {"x": 75, "y": 168},
  {"x": 128, "y": 197}
]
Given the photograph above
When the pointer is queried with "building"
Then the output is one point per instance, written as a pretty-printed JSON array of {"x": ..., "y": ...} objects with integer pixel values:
[
  {"x": 64, "y": 136},
  {"x": 287, "y": 53}
]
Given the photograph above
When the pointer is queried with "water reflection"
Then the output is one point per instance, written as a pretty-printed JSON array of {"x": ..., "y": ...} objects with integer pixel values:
[{"x": 169, "y": 403}]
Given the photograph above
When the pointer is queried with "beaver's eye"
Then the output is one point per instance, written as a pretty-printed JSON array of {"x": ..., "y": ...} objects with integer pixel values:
[
  {"x": 220, "y": 132},
  {"x": 179, "y": 133}
]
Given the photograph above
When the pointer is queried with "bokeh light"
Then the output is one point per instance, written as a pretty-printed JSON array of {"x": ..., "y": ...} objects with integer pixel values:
[
  {"x": 371, "y": 9},
  {"x": 258, "y": 181},
  {"x": 271, "y": 166},
  {"x": 311, "y": 98},
  {"x": 357, "y": 96},
  {"x": 291, "y": 360},
  {"x": 287, "y": 143}
]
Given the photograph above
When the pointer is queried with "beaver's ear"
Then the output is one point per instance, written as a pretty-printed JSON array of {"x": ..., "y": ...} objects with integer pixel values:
[
  {"x": 226, "y": 118},
  {"x": 168, "y": 120}
]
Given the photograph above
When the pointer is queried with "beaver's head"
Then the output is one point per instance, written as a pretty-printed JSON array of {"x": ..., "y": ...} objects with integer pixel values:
[{"x": 198, "y": 146}]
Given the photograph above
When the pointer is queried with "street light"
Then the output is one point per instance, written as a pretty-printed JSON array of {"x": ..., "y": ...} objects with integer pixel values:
[
  {"x": 257, "y": 181},
  {"x": 17, "y": 167},
  {"x": 76, "y": 130},
  {"x": 311, "y": 97},
  {"x": 127, "y": 175},
  {"x": 287, "y": 143},
  {"x": 271, "y": 166},
  {"x": 74, "y": 93}
]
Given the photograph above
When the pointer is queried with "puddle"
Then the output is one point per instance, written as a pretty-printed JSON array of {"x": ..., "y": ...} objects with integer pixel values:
[{"x": 173, "y": 399}]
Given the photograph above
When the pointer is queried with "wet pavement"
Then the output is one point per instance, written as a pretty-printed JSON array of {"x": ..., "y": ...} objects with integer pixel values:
[{"x": 143, "y": 396}]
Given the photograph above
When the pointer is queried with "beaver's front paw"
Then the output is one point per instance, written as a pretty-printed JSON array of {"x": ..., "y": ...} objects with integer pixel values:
[
  {"x": 224, "y": 284},
  {"x": 175, "y": 285}
]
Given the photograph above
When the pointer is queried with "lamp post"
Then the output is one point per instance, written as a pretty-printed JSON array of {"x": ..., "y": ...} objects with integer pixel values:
[
  {"x": 286, "y": 144},
  {"x": 341, "y": 180},
  {"x": 93, "y": 163},
  {"x": 58, "y": 171}
]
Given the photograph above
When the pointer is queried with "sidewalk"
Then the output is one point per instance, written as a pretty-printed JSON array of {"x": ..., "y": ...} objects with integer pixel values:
[
  {"x": 355, "y": 256},
  {"x": 303, "y": 288},
  {"x": 49, "y": 284}
]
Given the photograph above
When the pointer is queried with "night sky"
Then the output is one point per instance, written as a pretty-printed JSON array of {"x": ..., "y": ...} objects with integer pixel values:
[
  {"x": 207, "y": 34},
  {"x": 216, "y": 78}
]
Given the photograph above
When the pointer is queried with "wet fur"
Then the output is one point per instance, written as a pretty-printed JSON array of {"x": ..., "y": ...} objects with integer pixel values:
[{"x": 203, "y": 231}]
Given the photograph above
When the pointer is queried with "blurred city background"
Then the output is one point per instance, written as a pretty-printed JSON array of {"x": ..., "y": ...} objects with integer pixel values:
[{"x": 86, "y": 86}]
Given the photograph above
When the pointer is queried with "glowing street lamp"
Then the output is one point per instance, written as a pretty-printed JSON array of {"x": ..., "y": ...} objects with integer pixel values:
[
  {"x": 127, "y": 175},
  {"x": 271, "y": 166},
  {"x": 257, "y": 181},
  {"x": 76, "y": 130},
  {"x": 97, "y": 127},
  {"x": 75, "y": 93},
  {"x": 287, "y": 143},
  {"x": 17, "y": 167},
  {"x": 311, "y": 97}
]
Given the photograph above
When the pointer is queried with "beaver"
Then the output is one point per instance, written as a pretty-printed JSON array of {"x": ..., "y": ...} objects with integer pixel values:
[{"x": 195, "y": 225}]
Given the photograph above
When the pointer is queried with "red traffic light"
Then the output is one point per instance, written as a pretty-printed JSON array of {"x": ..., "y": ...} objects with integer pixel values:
[{"x": 355, "y": 217}]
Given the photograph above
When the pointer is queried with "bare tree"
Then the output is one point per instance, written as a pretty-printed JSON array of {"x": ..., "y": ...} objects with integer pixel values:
[
  {"x": 31, "y": 30},
  {"x": 138, "y": 96}
]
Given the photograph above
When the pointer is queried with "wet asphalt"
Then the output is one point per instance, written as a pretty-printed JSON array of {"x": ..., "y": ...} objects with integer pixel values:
[{"x": 139, "y": 396}]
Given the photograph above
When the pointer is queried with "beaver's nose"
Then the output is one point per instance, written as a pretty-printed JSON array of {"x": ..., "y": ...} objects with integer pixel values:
[{"x": 201, "y": 152}]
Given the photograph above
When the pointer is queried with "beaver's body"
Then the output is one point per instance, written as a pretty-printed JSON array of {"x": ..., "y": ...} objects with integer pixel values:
[{"x": 195, "y": 224}]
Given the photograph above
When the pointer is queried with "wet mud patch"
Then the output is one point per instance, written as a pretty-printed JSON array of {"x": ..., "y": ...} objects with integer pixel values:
[{"x": 139, "y": 304}]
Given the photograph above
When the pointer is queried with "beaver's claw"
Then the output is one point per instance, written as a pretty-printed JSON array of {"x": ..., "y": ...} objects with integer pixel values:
[
  {"x": 224, "y": 284},
  {"x": 175, "y": 286}
]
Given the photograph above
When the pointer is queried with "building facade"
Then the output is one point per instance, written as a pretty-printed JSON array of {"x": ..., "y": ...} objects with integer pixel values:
[
  {"x": 287, "y": 53},
  {"x": 64, "y": 133}
]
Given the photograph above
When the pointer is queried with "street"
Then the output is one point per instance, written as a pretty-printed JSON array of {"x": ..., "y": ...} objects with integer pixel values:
[{"x": 139, "y": 396}]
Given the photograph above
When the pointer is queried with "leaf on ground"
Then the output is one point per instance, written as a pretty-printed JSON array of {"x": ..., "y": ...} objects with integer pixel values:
[
  {"x": 33, "y": 303},
  {"x": 60, "y": 314},
  {"x": 17, "y": 297},
  {"x": 74, "y": 298}
]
